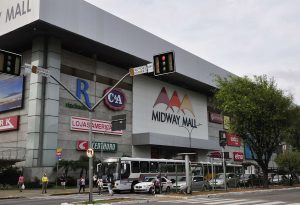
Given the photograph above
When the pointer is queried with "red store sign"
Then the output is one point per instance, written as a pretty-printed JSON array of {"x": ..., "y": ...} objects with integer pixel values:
[
  {"x": 238, "y": 156},
  {"x": 98, "y": 126},
  {"x": 233, "y": 140},
  {"x": 9, "y": 123}
]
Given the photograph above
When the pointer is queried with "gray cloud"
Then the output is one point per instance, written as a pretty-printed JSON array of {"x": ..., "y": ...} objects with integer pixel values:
[{"x": 249, "y": 37}]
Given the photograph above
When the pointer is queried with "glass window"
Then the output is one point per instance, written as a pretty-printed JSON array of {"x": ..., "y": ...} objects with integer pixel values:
[
  {"x": 180, "y": 168},
  {"x": 153, "y": 167},
  {"x": 144, "y": 167},
  {"x": 125, "y": 170},
  {"x": 163, "y": 167},
  {"x": 135, "y": 167},
  {"x": 171, "y": 168}
]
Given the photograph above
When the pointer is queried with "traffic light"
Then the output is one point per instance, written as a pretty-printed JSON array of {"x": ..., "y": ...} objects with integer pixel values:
[
  {"x": 10, "y": 63},
  {"x": 164, "y": 63},
  {"x": 222, "y": 138}
]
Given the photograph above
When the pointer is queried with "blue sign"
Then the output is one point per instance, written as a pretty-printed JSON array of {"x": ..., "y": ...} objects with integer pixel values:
[
  {"x": 81, "y": 88},
  {"x": 249, "y": 154}
]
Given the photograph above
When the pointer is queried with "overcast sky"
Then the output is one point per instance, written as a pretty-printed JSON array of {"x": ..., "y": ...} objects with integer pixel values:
[{"x": 245, "y": 37}]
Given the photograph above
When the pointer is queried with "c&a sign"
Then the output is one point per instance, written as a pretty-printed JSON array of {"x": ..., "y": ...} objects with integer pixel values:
[{"x": 115, "y": 100}]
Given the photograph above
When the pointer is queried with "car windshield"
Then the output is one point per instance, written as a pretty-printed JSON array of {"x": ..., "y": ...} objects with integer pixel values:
[
  {"x": 182, "y": 179},
  {"x": 149, "y": 179},
  {"x": 220, "y": 176}
]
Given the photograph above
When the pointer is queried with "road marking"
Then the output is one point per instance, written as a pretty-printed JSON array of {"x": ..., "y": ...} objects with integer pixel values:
[
  {"x": 224, "y": 202},
  {"x": 272, "y": 203},
  {"x": 294, "y": 204},
  {"x": 248, "y": 202}
]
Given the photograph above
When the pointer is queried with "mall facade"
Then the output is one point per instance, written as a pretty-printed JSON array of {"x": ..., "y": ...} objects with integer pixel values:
[{"x": 89, "y": 50}]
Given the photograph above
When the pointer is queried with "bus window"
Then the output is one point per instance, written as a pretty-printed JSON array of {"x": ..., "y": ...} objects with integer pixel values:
[
  {"x": 180, "y": 168},
  {"x": 163, "y": 167},
  {"x": 144, "y": 167},
  {"x": 135, "y": 167},
  {"x": 170, "y": 167},
  {"x": 154, "y": 167},
  {"x": 125, "y": 170}
]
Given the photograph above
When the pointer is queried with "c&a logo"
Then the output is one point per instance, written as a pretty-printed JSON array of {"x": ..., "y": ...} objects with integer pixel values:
[
  {"x": 174, "y": 101},
  {"x": 174, "y": 118},
  {"x": 115, "y": 100}
]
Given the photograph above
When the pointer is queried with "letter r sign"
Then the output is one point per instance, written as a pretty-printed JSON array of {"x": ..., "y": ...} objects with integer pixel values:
[{"x": 81, "y": 88}]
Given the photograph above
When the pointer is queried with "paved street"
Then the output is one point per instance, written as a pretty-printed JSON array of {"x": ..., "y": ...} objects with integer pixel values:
[{"x": 265, "y": 197}]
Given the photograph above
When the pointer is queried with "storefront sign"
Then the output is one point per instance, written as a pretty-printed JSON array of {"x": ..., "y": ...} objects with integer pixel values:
[
  {"x": 219, "y": 155},
  {"x": 82, "y": 145},
  {"x": 238, "y": 156},
  {"x": 115, "y": 100},
  {"x": 183, "y": 107},
  {"x": 98, "y": 126},
  {"x": 233, "y": 140},
  {"x": 9, "y": 123},
  {"x": 215, "y": 117}
]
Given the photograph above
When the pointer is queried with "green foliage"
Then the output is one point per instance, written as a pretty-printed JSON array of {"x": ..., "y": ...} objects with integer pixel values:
[
  {"x": 259, "y": 111},
  {"x": 293, "y": 136},
  {"x": 289, "y": 160}
]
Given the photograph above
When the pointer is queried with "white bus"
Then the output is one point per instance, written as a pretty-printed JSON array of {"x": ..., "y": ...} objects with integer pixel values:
[{"x": 127, "y": 171}]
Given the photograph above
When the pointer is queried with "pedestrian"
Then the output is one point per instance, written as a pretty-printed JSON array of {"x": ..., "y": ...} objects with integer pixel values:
[
  {"x": 100, "y": 185},
  {"x": 21, "y": 182},
  {"x": 157, "y": 184},
  {"x": 82, "y": 184},
  {"x": 95, "y": 180},
  {"x": 63, "y": 181},
  {"x": 44, "y": 183}
]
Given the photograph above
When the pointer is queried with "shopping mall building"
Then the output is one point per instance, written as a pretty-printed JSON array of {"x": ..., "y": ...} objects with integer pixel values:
[{"x": 89, "y": 50}]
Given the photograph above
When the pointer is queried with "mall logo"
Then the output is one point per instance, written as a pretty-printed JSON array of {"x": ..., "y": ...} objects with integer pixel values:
[{"x": 183, "y": 107}]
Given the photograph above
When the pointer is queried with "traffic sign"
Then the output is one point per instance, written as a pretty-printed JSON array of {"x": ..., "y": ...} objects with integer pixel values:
[
  {"x": 89, "y": 152},
  {"x": 41, "y": 71},
  {"x": 141, "y": 69}
]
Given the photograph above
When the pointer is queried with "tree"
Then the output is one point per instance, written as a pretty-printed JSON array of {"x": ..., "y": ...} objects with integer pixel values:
[
  {"x": 259, "y": 113},
  {"x": 293, "y": 136},
  {"x": 290, "y": 161}
]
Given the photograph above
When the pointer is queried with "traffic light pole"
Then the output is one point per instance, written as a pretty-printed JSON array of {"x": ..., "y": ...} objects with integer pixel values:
[
  {"x": 46, "y": 73},
  {"x": 224, "y": 168}
]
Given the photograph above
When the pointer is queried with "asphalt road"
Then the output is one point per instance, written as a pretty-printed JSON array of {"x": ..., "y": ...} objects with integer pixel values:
[
  {"x": 278, "y": 197},
  {"x": 282, "y": 197}
]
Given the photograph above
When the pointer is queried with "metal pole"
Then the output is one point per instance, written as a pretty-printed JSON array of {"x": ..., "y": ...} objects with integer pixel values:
[
  {"x": 224, "y": 168},
  {"x": 187, "y": 177},
  {"x": 90, "y": 159},
  {"x": 57, "y": 171},
  {"x": 212, "y": 174}
]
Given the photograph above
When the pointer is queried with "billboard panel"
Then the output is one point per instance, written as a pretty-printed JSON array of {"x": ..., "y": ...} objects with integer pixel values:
[{"x": 11, "y": 93}]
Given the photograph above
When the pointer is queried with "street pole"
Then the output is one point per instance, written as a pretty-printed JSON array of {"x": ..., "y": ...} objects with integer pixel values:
[
  {"x": 224, "y": 168},
  {"x": 90, "y": 159},
  {"x": 57, "y": 170}
]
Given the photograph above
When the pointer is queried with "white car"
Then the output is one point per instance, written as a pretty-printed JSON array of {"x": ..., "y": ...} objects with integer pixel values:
[{"x": 148, "y": 185}]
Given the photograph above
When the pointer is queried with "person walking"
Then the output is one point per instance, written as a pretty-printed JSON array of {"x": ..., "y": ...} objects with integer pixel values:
[
  {"x": 44, "y": 183},
  {"x": 100, "y": 185},
  {"x": 63, "y": 181},
  {"x": 81, "y": 184},
  {"x": 21, "y": 182}
]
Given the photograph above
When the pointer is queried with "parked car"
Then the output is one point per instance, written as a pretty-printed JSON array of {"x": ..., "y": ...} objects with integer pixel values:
[
  {"x": 247, "y": 180},
  {"x": 198, "y": 184},
  {"x": 218, "y": 182},
  {"x": 280, "y": 179},
  {"x": 148, "y": 185}
]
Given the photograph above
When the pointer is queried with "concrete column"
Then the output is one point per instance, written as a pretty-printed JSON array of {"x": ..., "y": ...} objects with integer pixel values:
[{"x": 50, "y": 51}]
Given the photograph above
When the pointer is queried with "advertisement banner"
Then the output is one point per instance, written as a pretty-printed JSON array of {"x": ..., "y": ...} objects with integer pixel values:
[
  {"x": 233, "y": 140},
  {"x": 9, "y": 123},
  {"x": 238, "y": 156},
  {"x": 82, "y": 145},
  {"x": 98, "y": 126}
]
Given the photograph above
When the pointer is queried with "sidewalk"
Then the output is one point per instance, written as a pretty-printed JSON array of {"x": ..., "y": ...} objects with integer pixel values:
[{"x": 5, "y": 194}]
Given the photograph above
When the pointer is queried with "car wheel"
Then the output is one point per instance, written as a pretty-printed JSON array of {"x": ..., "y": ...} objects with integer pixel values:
[
  {"x": 151, "y": 191},
  {"x": 204, "y": 188},
  {"x": 228, "y": 186},
  {"x": 168, "y": 189}
]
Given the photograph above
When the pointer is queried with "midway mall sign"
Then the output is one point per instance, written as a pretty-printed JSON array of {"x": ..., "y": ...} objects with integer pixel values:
[{"x": 98, "y": 126}]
